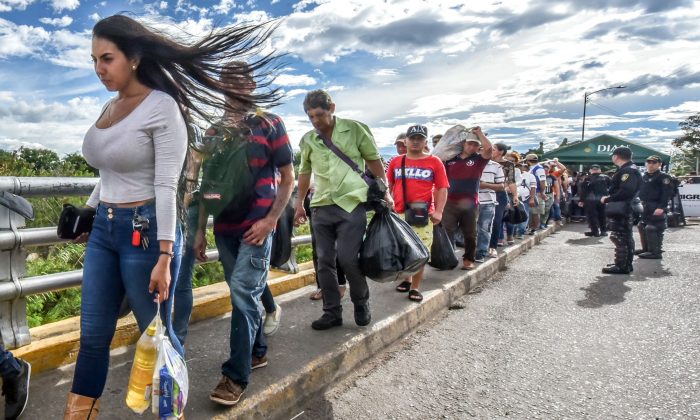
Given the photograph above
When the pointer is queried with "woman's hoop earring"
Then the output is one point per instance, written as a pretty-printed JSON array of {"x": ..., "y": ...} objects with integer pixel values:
[{"x": 133, "y": 68}]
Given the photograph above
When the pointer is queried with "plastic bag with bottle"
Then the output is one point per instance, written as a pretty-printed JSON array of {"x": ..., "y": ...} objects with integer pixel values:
[
  {"x": 452, "y": 142},
  {"x": 138, "y": 396},
  {"x": 170, "y": 382}
]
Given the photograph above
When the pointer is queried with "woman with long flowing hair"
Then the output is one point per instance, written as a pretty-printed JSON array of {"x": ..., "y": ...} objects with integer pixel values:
[{"x": 139, "y": 143}]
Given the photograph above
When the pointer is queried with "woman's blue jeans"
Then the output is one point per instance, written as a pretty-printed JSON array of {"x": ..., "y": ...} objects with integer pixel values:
[
  {"x": 183, "y": 289},
  {"x": 245, "y": 267},
  {"x": 113, "y": 269}
]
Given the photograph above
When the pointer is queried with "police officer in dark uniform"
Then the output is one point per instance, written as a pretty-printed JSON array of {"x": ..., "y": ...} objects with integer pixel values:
[
  {"x": 593, "y": 188},
  {"x": 656, "y": 191},
  {"x": 624, "y": 187}
]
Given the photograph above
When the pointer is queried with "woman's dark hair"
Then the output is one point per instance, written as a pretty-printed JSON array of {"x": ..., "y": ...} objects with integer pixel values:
[{"x": 191, "y": 74}]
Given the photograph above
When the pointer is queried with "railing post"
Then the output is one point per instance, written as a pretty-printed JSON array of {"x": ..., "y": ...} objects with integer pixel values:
[{"x": 14, "y": 329}]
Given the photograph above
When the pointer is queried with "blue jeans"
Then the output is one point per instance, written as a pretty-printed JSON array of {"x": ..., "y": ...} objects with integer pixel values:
[
  {"x": 497, "y": 230},
  {"x": 183, "y": 290},
  {"x": 114, "y": 268},
  {"x": 485, "y": 225},
  {"x": 9, "y": 368},
  {"x": 555, "y": 212},
  {"x": 245, "y": 267},
  {"x": 268, "y": 301},
  {"x": 521, "y": 228}
]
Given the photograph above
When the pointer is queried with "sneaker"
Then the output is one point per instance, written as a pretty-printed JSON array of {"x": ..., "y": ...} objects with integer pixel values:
[
  {"x": 272, "y": 321},
  {"x": 531, "y": 232},
  {"x": 16, "y": 391},
  {"x": 326, "y": 322},
  {"x": 492, "y": 253},
  {"x": 227, "y": 392},
  {"x": 258, "y": 362},
  {"x": 479, "y": 259}
]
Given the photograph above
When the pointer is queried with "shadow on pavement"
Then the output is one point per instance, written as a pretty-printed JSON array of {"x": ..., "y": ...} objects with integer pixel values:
[
  {"x": 607, "y": 290},
  {"x": 611, "y": 290},
  {"x": 586, "y": 240}
]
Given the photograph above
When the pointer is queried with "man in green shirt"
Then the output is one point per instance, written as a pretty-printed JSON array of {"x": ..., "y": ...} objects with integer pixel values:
[{"x": 338, "y": 215}]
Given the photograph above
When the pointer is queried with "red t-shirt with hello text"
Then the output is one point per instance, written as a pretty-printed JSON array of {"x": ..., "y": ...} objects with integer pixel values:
[{"x": 422, "y": 176}]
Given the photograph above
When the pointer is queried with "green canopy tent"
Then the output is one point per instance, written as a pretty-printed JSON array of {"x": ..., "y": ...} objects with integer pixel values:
[{"x": 598, "y": 150}]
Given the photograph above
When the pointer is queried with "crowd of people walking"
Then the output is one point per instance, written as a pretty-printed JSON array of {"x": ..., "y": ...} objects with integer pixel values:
[{"x": 160, "y": 180}]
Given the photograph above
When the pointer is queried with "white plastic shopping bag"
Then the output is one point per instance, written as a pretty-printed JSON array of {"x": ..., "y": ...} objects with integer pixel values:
[{"x": 170, "y": 382}]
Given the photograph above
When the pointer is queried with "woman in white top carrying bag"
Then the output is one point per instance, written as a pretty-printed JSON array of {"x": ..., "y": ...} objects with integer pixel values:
[{"x": 139, "y": 143}]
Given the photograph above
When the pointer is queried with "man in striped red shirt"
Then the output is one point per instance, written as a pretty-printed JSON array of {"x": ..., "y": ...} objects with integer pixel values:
[
  {"x": 462, "y": 208},
  {"x": 243, "y": 227}
]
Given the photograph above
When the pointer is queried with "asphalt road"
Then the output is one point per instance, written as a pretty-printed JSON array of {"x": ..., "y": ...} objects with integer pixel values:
[{"x": 551, "y": 337}]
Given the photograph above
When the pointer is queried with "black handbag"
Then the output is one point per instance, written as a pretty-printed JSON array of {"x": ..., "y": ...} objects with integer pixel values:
[
  {"x": 416, "y": 213},
  {"x": 618, "y": 209},
  {"x": 376, "y": 187},
  {"x": 74, "y": 221},
  {"x": 515, "y": 214}
]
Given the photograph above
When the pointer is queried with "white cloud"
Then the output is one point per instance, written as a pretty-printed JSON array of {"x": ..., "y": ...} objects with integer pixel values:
[
  {"x": 294, "y": 80},
  {"x": 95, "y": 17},
  {"x": 224, "y": 6},
  {"x": 21, "y": 40},
  {"x": 27, "y": 122},
  {"x": 163, "y": 5},
  {"x": 9, "y": 5},
  {"x": 61, "y": 5},
  {"x": 61, "y": 22}
]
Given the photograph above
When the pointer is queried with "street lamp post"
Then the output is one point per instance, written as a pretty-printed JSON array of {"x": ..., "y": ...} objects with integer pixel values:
[{"x": 585, "y": 101}]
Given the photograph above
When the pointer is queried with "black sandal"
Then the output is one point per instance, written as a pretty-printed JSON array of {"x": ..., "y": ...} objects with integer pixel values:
[
  {"x": 404, "y": 287},
  {"x": 415, "y": 295}
]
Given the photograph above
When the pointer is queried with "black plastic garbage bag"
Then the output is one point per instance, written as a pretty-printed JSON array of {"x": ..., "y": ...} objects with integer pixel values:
[
  {"x": 391, "y": 249},
  {"x": 515, "y": 214},
  {"x": 282, "y": 238},
  {"x": 442, "y": 253}
]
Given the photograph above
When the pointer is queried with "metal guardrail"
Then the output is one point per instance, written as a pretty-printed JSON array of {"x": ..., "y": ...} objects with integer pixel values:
[{"x": 14, "y": 287}]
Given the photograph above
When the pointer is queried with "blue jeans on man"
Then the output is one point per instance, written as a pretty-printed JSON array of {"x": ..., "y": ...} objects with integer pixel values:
[
  {"x": 497, "y": 230},
  {"x": 245, "y": 269},
  {"x": 114, "y": 268},
  {"x": 484, "y": 225}
]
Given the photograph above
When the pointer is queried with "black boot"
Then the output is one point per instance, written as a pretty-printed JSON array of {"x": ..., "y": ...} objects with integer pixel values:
[
  {"x": 327, "y": 321},
  {"x": 642, "y": 238},
  {"x": 654, "y": 238},
  {"x": 616, "y": 270},
  {"x": 362, "y": 315}
]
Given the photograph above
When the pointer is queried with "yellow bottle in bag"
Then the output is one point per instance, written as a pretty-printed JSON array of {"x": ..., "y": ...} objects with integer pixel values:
[{"x": 138, "y": 396}]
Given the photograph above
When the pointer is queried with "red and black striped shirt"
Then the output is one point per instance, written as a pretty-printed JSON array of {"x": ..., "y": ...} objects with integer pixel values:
[{"x": 268, "y": 150}]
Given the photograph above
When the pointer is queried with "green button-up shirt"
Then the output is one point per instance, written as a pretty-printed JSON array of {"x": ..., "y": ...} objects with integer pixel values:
[{"x": 335, "y": 182}]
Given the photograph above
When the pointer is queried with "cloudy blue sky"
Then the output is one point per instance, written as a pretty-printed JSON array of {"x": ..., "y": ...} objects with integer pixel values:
[{"x": 518, "y": 68}]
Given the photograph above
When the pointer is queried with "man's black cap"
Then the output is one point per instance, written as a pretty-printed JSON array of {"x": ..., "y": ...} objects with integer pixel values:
[
  {"x": 595, "y": 166},
  {"x": 653, "y": 158}
]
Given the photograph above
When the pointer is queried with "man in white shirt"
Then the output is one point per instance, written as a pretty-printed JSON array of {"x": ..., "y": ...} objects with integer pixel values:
[
  {"x": 492, "y": 180},
  {"x": 527, "y": 188},
  {"x": 538, "y": 201}
]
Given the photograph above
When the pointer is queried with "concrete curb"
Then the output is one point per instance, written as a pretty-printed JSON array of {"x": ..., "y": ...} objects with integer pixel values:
[{"x": 279, "y": 399}]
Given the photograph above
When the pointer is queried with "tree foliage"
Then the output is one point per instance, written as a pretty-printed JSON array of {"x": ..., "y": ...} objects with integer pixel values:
[{"x": 688, "y": 144}]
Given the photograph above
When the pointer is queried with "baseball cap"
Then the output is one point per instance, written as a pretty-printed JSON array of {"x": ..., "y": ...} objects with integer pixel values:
[
  {"x": 417, "y": 130},
  {"x": 401, "y": 138},
  {"x": 595, "y": 166},
  {"x": 532, "y": 156},
  {"x": 653, "y": 158}
]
